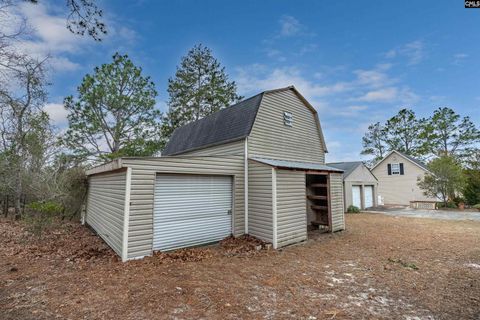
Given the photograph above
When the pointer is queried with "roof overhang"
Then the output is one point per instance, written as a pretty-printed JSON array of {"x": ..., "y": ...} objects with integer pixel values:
[
  {"x": 296, "y": 165},
  {"x": 401, "y": 155}
]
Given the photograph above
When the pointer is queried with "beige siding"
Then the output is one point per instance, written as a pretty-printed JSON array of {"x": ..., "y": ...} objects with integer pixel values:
[
  {"x": 144, "y": 170},
  {"x": 336, "y": 201},
  {"x": 361, "y": 173},
  {"x": 291, "y": 207},
  {"x": 399, "y": 189},
  {"x": 105, "y": 207},
  {"x": 232, "y": 148},
  {"x": 362, "y": 177},
  {"x": 260, "y": 223},
  {"x": 270, "y": 138}
]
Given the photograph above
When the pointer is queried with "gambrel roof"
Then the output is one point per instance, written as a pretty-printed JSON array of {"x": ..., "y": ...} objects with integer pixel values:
[{"x": 227, "y": 125}]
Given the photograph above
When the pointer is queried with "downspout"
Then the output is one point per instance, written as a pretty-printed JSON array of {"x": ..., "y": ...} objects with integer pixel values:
[
  {"x": 246, "y": 184},
  {"x": 274, "y": 208},
  {"x": 126, "y": 214}
]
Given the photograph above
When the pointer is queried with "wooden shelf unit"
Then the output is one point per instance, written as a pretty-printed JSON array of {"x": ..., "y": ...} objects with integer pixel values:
[{"x": 318, "y": 197}]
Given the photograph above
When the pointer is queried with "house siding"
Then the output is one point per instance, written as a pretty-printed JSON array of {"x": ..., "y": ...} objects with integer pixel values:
[
  {"x": 361, "y": 176},
  {"x": 291, "y": 207},
  {"x": 105, "y": 207},
  {"x": 270, "y": 138},
  {"x": 260, "y": 223},
  {"x": 231, "y": 148},
  {"x": 400, "y": 189},
  {"x": 336, "y": 201},
  {"x": 144, "y": 171}
]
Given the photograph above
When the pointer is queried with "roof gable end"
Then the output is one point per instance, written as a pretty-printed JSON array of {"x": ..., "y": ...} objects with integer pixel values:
[{"x": 416, "y": 162}]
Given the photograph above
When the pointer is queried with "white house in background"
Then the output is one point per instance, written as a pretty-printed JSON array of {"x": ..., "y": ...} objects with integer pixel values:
[
  {"x": 397, "y": 175},
  {"x": 359, "y": 184}
]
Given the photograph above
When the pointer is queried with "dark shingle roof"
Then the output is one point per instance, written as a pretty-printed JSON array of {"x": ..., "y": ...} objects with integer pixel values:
[
  {"x": 229, "y": 124},
  {"x": 347, "y": 167}
]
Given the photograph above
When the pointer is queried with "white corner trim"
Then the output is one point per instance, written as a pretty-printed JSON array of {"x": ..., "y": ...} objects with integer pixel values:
[
  {"x": 246, "y": 184},
  {"x": 126, "y": 214},
  {"x": 274, "y": 208}
]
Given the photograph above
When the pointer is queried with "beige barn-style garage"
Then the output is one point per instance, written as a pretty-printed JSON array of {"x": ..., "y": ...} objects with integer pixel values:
[{"x": 256, "y": 167}]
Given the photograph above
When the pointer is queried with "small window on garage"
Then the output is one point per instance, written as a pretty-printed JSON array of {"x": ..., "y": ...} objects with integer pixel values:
[
  {"x": 287, "y": 119},
  {"x": 395, "y": 168}
]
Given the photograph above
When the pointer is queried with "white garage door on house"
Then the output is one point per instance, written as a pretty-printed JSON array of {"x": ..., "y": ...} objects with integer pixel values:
[
  {"x": 191, "y": 210},
  {"x": 356, "y": 197},
  {"x": 368, "y": 191}
]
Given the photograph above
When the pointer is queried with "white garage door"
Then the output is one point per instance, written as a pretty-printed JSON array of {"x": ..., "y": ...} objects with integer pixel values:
[
  {"x": 356, "y": 197},
  {"x": 191, "y": 210},
  {"x": 368, "y": 196}
]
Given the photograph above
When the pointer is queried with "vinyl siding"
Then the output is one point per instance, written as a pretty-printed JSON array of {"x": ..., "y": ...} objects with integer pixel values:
[
  {"x": 399, "y": 189},
  {"x": 361, "y": 176},
  {"x": 105, "y": 207},
  {"x": 260, "y": 223},
  {"x": 336, "y": 201},
  {"x": 270, "y": 138},
  {"x": 232, "y": 148},
  {"x": 291, "y": 207},
  {"x": 361, "y": 173},
  {"x": 144, "y": 171}
]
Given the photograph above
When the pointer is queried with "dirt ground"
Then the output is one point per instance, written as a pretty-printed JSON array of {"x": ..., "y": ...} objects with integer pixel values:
[{"x": 381, "y": 267}]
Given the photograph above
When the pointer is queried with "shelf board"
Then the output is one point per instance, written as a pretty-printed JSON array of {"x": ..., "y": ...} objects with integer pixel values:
[
  {"x": 319, "y": 185},
  {"x": 319, "y": 223},
  {"x": 315, "y": 197},
  {"x": 314, "y": 207}
]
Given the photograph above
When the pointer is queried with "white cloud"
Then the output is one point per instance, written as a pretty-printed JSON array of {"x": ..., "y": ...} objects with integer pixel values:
[
  {"x": 458, "y": 58},
  {"x": 380, "y": 95},
  {"x": 49, "y": 35},
  {"x": 289, "y": 26},
  {"x": 349, "y": 111},
  {"x": 390, "y": 95},
  {"x": 63, "y": 64},
  {"x": 58, "y": 114},
  {"x": 255, "y": 78},
  {"x": 413, "y": 51}
]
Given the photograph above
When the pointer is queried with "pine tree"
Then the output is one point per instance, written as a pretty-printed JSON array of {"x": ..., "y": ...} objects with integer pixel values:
[
  {"x": 405, "y": 133},
  {"x": 449, "y": 134},
  {"x": 374, "y": 142},
  {"x": 114, "y": 114},
  {"x": 200, "y": 87}
]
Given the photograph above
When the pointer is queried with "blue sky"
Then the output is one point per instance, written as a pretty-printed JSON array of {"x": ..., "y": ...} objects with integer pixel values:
[{"x": 356, "y": 61}]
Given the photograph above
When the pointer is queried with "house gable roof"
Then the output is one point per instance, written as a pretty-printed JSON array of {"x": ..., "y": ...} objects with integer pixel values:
[
  {"x": 347, "y": 167},
  {"x": 227, "y": 125},
  {"x": 416, "y": 162}
]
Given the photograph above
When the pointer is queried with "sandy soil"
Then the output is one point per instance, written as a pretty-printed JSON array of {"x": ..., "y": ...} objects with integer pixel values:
[{"x": 382, "y": 267}]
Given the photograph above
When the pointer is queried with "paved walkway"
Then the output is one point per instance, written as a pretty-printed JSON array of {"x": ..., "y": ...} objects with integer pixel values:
[{"x": 433, "y": 214}]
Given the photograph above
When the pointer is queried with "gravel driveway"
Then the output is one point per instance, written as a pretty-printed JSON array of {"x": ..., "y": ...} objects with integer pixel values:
[{"x": 433, "y": 214}]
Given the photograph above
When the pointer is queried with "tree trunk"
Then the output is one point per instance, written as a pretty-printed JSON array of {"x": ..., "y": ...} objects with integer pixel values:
[{"x": 18, "y": 191}]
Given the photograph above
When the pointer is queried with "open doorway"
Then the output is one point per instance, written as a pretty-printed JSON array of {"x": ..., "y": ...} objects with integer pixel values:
[{"x": 318, "y": 206}]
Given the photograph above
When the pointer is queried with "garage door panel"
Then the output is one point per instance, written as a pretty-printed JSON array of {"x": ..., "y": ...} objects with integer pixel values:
[
  {"x": 368, "y": 196},
  {"x": 191, "y": 210},
  {"x": 356, "y": 197}
]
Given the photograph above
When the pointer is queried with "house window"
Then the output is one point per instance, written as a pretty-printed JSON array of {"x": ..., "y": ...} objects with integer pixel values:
[
  {"x": 287, "y": 119},
  {"x": 395, "y": 168}
]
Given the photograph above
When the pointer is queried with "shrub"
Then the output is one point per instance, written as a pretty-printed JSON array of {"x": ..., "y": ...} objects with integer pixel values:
[
  {"x": 458, "y": 200},
  {"x": 477, "y": 206},
  {"x": 41, "y": 215},
  {"x": 471, "y": 192},
  {"x": 449, "y": 204},
  {"x": 353, "y": 209}
]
